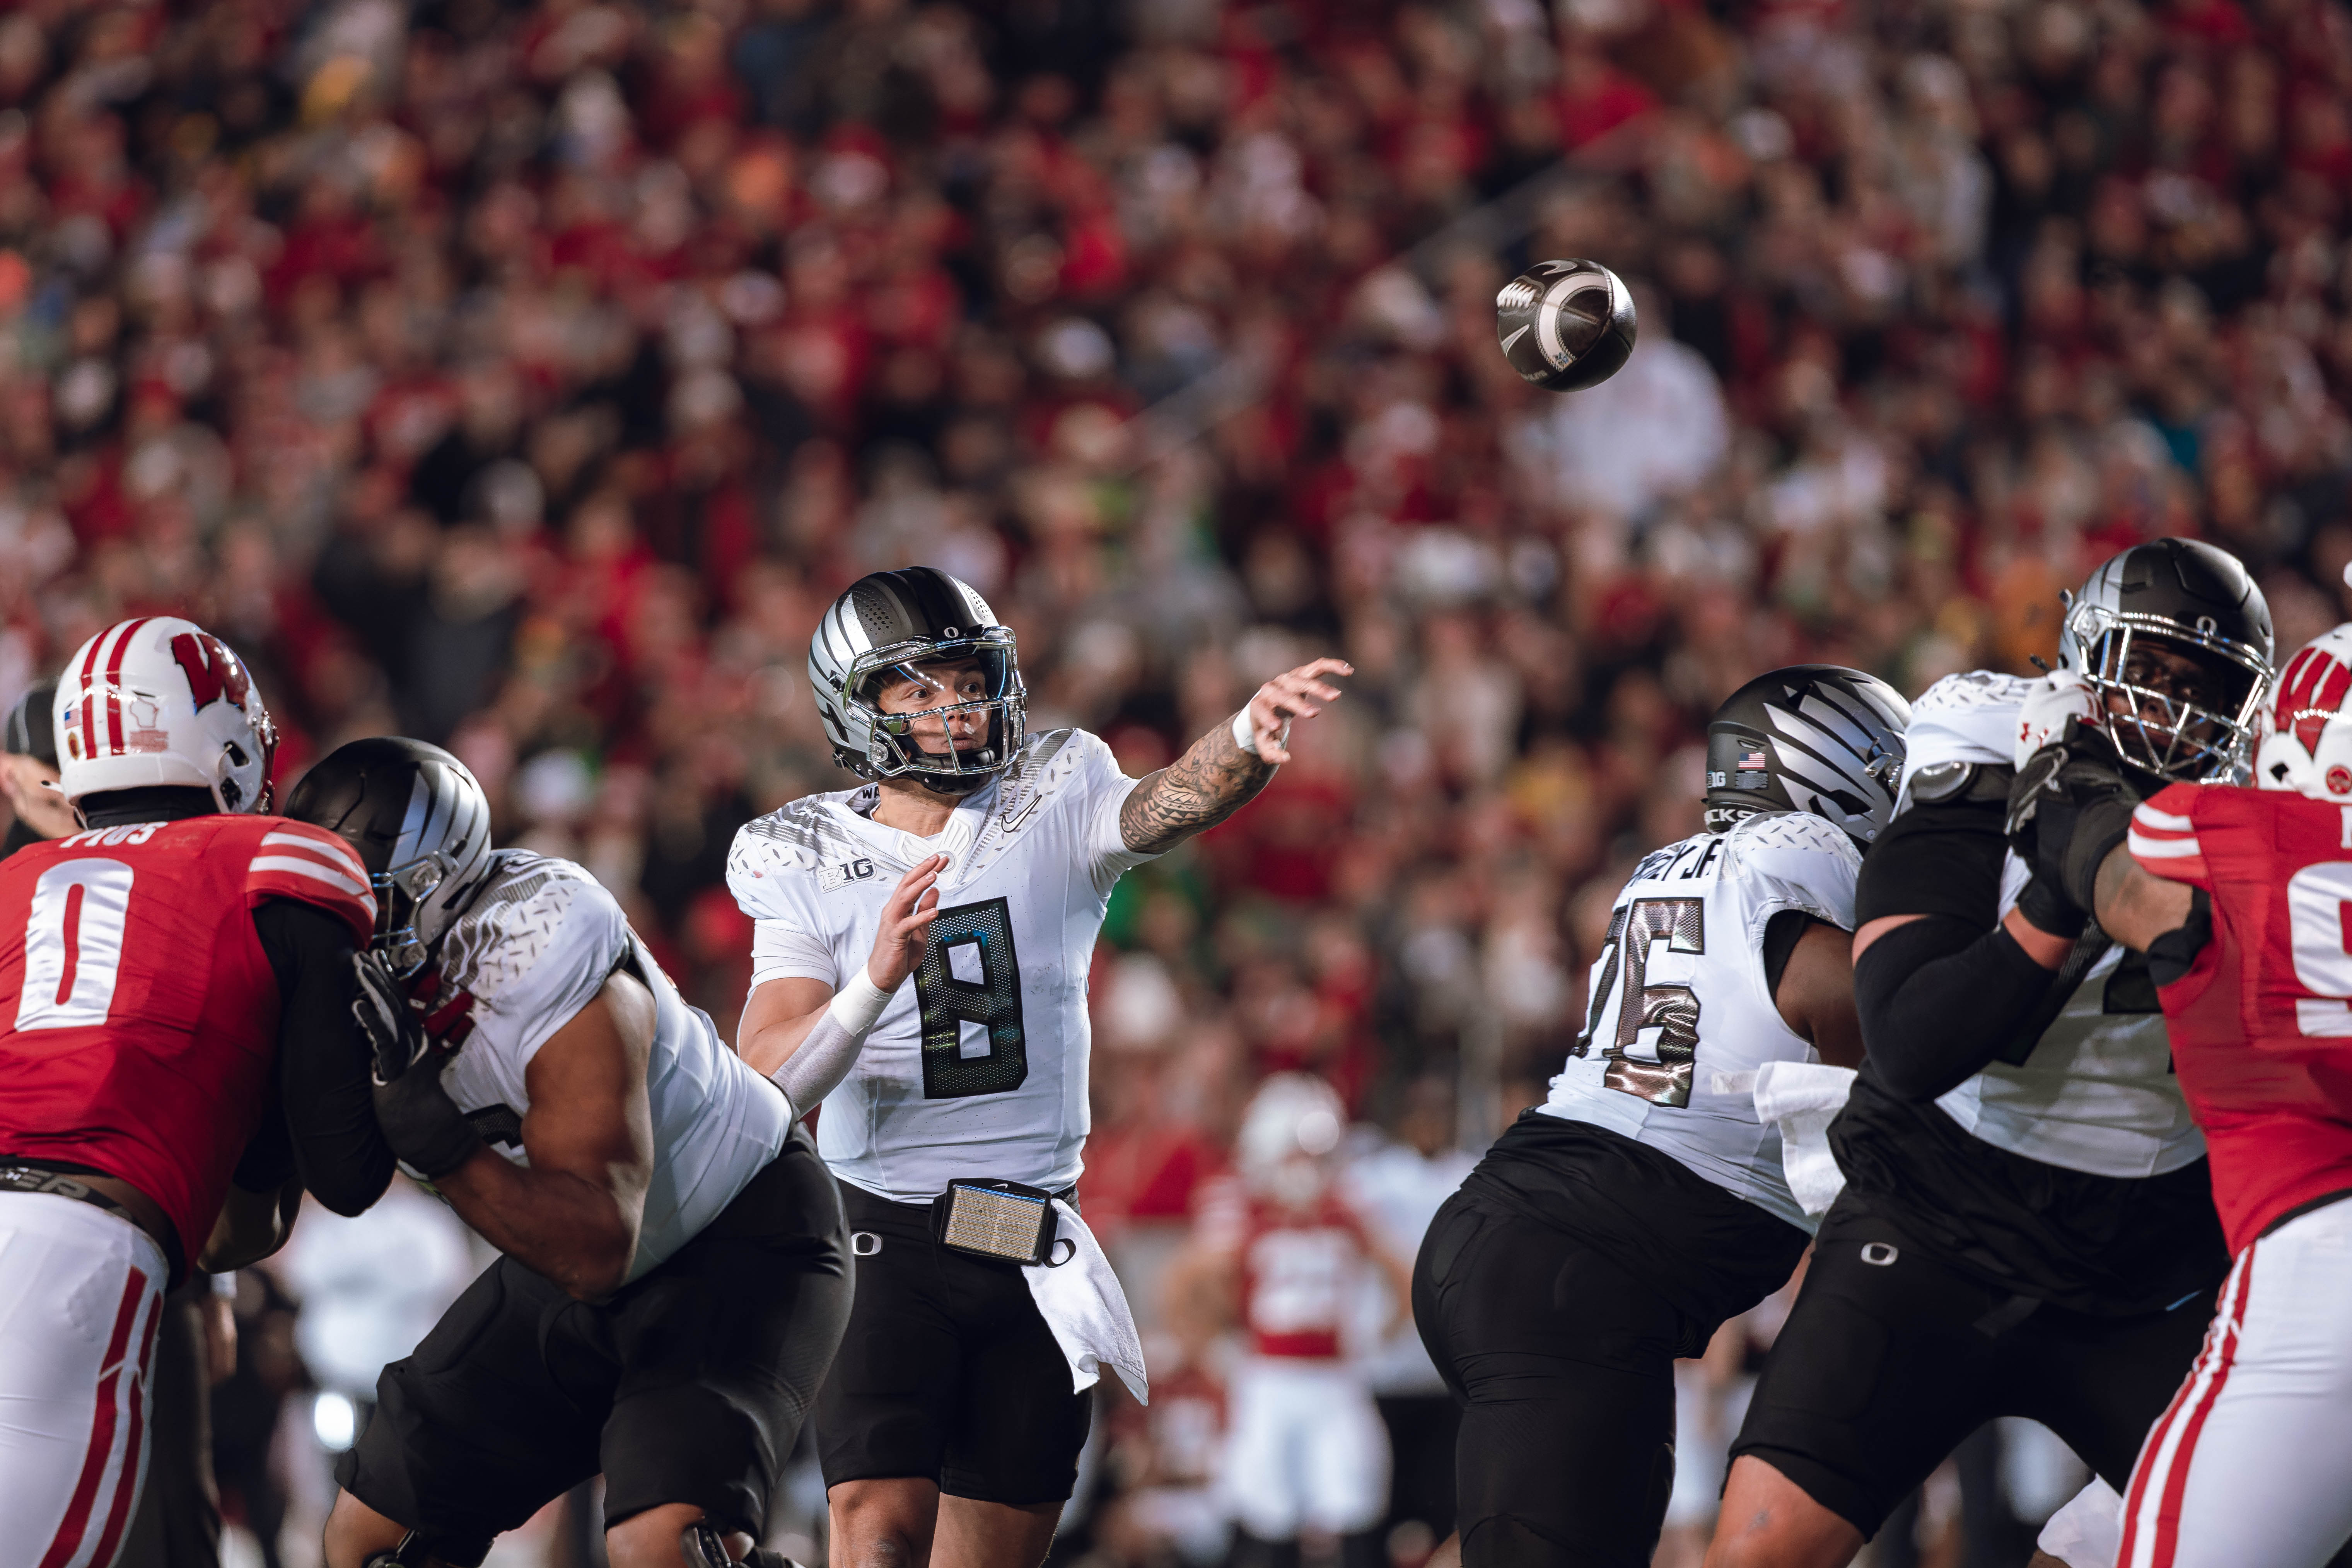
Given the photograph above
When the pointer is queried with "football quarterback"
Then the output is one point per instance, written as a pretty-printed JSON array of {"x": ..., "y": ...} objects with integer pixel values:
[{"x": 975, "y": 860}]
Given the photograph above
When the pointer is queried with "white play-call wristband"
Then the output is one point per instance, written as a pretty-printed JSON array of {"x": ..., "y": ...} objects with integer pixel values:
[
  {"x": 1245, "y": 733},
  {"x": 857, "y": 1005}
]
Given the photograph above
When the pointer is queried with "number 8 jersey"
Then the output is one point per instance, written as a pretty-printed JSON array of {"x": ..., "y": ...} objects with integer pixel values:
[
  {"x": 1680, "y": 997},
  {"x": 978, "y": 1067}
]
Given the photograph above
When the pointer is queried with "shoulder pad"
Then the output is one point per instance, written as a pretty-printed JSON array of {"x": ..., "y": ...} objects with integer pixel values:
[{"x": 1797, "y": 830}]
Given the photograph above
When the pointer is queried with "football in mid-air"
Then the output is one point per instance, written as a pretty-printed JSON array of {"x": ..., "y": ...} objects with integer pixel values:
[{"x": 1565, "y": 325}]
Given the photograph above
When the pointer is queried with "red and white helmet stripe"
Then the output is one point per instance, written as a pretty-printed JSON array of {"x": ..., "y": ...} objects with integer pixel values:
[
  {"x": 157, "y": 700},
  {"x": 2305, "y": 741}
]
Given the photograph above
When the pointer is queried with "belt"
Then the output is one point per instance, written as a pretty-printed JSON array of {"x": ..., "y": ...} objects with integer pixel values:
[
  {"x": 16, "y": 1176},
  {"x": 34, "y": 1179}
]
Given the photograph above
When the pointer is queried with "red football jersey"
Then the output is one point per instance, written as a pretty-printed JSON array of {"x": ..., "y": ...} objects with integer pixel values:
[
  {"x": 138, "y": 1011},
  {"x": 2262, "y": 1024},
  {"x": 1300, "y": 1276}
]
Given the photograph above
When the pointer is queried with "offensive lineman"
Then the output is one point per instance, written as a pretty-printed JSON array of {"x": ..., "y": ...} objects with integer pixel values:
[
  {"x": 949, "y": 1418},
  {"x": 1617, "y": 1226},
  {"x": 175, "y": 1059},
  {"x": 2027, "y": 1225},
  {"x": 2238, "y": 898},
  {"x": 675, "y": 1275}
]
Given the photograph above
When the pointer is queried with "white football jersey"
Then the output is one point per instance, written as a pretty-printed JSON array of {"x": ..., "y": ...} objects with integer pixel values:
[
  {"x": 1679, "y": 998},
  {"x": 2097, "y": 1093},
  {"x": 535, "y": 946},
  {"x": 978, "y": 1065}
]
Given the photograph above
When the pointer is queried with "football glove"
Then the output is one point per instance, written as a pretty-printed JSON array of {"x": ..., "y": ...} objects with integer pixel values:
[
  {"x": 701, "y": 1547},
  {"x": 2068, "y": 808},
  {"x": 418, "y": 1118}
]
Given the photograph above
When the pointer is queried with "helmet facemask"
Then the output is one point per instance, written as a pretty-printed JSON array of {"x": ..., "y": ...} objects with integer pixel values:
[
  {"x": 951, "y": 745},
  {"x": 401, "y": 894},
  {"x": 2176, "y": 702}
]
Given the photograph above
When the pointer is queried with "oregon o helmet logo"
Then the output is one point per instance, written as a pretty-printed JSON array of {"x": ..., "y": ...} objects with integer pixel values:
[{"x": 2339, "y": 780}]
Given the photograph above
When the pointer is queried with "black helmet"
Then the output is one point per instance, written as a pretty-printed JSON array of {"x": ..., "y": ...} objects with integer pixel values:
[
  {"x": 30, "y": 734},
  {"x": 422, "y": 827},
  {"x": 2162, "y": 602},
  {"x": 1812, "y": 737},
  {"x": 888, "y": 623}
]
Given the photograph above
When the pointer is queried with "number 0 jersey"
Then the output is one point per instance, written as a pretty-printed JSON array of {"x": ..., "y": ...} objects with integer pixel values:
[
  {"x": 2260, "y": 1027},
  {"x": 1679, "y": 996},
  {"x": 978, "y": 1066},
  {"x": 537, "y": 944},
  {"x": 138, "y": 1010}
]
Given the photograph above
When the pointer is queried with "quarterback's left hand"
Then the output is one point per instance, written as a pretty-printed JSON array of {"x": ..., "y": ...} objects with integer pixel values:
[{"x": 1290, "y": 695}]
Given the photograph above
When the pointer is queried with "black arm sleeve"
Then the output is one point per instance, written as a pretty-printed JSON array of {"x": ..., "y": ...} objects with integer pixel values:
[
  {"x": 1939, "y": 996},
  {"x": 323, "y": 1070}
]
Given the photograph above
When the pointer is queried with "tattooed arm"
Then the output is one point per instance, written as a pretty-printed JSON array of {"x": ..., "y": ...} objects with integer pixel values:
[{"x": 1214, "y": 778}]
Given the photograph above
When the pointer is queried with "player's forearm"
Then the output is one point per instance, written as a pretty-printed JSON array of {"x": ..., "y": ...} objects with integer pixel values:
[
  {"x": 1213, "y": 779},
  {"x": 580, "y": 1232},
  {"x": 2136, "y": 908},
  {"x": 251, "y": 1227},
  {"x": 770, "y": 1046}
]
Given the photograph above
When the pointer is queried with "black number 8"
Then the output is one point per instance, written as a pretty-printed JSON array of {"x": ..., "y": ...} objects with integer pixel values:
[{"x": 948, "y": 1004}]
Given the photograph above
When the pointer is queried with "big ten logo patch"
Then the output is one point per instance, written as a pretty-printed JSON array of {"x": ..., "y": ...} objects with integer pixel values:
[{"x": 841, "y": 873}]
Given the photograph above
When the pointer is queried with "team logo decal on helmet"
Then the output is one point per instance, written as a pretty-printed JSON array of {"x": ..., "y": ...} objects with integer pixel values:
[
  {"x": 2306, "y": 735},
  {"x": 1817, "y": 738},
  {"x": 2174, "y": 639},
  {"x": 923, "y": 626},
  {"x": 158, "y": 700}
]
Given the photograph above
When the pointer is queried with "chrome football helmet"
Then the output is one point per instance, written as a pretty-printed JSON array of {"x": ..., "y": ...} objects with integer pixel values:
[
  {"x": 422, "y": 827},
  {"x": 917, "y": 624},
  {"x": 2175, "y": 640}
]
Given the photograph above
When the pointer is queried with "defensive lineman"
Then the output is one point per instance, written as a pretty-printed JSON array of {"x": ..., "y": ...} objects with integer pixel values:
[
  {"x": 170, "y": 975},
  {"x": 675, "y": 1275},
  {"x": 1617, "y": 1226},
  {"x": 2238, "y": 898},
  {"x": 990, "y": 854},
  {"x": 2027, "y": 1226}
]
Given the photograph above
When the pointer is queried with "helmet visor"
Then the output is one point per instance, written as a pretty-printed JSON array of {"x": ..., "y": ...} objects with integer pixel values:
[{"x": 2174, "y": 706}]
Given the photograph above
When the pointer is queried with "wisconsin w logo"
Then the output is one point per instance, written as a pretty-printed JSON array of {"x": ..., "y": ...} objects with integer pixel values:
[{"x": 212, "y": 671}]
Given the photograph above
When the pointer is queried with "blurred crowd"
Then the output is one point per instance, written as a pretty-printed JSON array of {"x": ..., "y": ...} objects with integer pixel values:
[{"x": 528, "y": 376}]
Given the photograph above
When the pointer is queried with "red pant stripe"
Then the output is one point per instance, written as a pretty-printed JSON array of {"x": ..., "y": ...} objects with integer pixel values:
[{"x": 76, "y": 1523}]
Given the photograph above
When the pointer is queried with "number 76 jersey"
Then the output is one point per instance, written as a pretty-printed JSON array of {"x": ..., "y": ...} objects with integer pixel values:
[
  {"x": 978, "y": 1065},
  {"x": 2262, "y": 1023},
  {"x": 1679, "y": 998}
]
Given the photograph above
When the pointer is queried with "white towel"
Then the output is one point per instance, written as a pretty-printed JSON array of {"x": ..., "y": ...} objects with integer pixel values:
[
  {"x": 1801, "y": 1098},
  {"x": 2088, "y": 1531},
  {"x": 1082, "y": 1302}
]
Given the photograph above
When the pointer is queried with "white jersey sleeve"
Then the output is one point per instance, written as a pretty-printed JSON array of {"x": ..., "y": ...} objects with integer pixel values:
[
  {"x": 534, "y": 948},
  {"x": 1097, "y": 791},
  {"x": 1681, "y": 1014},
  {"x": 539, "y": 944}
]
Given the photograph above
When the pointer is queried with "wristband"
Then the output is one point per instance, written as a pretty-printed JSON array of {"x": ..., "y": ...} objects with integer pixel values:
[
  {"x": 858, "y": 1005},
  {"x": 1245, "y": 734}
]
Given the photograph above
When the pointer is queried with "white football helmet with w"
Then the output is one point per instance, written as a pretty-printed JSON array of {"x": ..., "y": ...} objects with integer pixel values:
[
  {"x": 2305, "y": 734},
  {"x": 160, "y": 701}
]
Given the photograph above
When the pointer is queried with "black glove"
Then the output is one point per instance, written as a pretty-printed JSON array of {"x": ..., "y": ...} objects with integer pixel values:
[
  {"x": 2068, "y": 808},
  {"x": 2047, "y": 909},
  {"x": 419, "y": 1120}
]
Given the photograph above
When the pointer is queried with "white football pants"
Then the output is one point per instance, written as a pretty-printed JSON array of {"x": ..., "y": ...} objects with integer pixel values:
[
  {"x": 1305, "y": 1448},
  {"x": 80, "y": 1293},
  {"x": 2250, "y": 1467}
]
